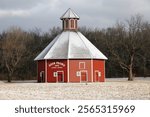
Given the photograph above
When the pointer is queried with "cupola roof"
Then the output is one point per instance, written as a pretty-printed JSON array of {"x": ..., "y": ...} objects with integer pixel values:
[{"x": 69, "y": 14}]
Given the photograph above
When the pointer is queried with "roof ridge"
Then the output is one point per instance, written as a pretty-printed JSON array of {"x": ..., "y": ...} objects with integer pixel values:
[
  {"x": 74, "y": 13},
  {"x": 69, "y": 12}
]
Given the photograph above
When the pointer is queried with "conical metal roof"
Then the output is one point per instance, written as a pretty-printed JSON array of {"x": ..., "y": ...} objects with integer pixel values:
[
  {"x": 69, "y": 14},
  {"x": 70, "y": 45}
]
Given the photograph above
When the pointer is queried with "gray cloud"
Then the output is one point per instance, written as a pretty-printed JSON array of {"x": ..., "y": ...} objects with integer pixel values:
[
  {"x": 45, "y": 13},
  {"x": 19, "y": 4}
]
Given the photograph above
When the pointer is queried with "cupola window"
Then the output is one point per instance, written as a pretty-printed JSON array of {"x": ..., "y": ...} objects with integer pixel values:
[
  {"x": 67, "y": 24},
  {"x": 72, "y": 23}
]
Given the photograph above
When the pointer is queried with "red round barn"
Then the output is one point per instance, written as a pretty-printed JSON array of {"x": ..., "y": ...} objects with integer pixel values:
[{"x": 71, "y": 57}]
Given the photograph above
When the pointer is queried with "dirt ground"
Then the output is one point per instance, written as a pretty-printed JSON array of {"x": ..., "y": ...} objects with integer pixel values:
[{"x": 116, "y": 89}]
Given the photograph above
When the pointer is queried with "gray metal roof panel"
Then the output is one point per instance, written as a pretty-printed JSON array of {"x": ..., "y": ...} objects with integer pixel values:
[
  {"x": 95, "y": 53},
  {"x": 70, "y": 45},
  {"x": 46, "y": 50},
  {"x": 77, "y": 48},
  {"x": 60, "y": 48}
]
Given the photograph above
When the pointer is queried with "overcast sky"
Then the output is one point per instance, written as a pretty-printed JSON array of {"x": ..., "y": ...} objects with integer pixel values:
[{"x": 45, "y": 14}]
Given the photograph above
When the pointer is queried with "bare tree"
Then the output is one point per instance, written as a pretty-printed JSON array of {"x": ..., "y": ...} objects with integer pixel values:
[
  {"x": 14, "y": 48},
  {"x": 125, "y": 41}
]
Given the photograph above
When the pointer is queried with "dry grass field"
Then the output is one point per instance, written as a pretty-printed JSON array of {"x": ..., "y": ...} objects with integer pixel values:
[{"x": 116, "y": 89}]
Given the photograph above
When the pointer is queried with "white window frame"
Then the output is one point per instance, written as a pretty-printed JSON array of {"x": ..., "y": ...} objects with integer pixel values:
[
  {"x": 55, "y": 74},
  {"x": 78, "y": 73},
  {"x": 99, "y": 74}
]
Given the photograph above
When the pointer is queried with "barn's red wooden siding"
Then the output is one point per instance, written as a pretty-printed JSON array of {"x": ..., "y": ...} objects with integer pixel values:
[
  {"x": 55, "y": 66},
  {"x": 74, "y": 68},
  {"x": 89, "y": 69},
  {"x": 99, "y": 65},
  {"x": 41, "y": 67}
]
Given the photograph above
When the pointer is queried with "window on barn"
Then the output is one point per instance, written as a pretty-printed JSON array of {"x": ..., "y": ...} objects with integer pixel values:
[
  {"x": 67, "y": 24},
  {"x": 81, "y": 65},
  {"x": 72, "y": 23},
  {"x": 75, "y": 24},
  {"x": 63, "y": 23}
]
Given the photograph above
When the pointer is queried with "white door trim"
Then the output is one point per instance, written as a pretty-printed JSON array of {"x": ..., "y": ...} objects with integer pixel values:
[
  {"x": 96, "y": 71},
  {"x": 86, "y": 75}
]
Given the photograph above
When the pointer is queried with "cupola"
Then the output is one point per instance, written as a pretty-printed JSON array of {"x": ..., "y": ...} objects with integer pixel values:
[{"x": 69, "y": 20}]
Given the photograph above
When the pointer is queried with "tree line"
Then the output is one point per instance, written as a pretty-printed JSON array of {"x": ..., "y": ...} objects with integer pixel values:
[{"x": 126, "y": 44}]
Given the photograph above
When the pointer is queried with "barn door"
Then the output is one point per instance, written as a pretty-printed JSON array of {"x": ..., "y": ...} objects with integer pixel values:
[
  {"x": 60, "y": 76},
  {"x": 42, "y": 76},
  {"x": 84, "y": 77},
  {"x": 97, "y": 76}
]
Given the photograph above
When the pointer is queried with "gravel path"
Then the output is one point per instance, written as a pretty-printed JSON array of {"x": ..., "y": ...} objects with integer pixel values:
[{"x": 111, "y": 89}]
